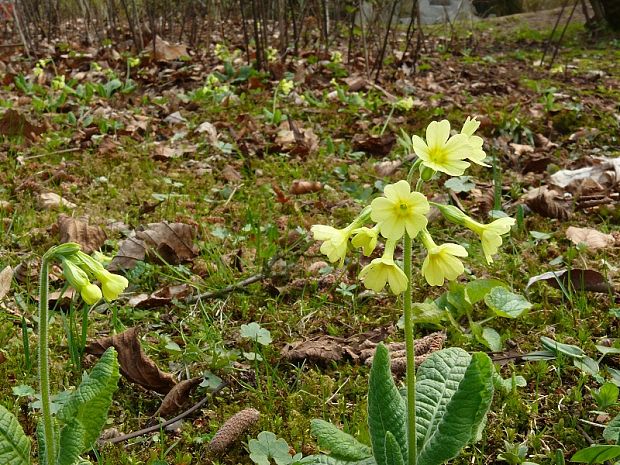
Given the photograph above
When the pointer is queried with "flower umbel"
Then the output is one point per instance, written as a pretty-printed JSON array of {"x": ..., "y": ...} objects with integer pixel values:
[
  {"x": 441, "y": 152},
  {"x": 112, "y": 284},
  {"x": 399, "y": 211},
  {"x": 383, "y": 270},
  {"x": 78, "y": 279},
  {"x": 335, "y": 241},
  {"x": 490, "y": 234},
  {"x": 441, "y": 262},
  {"x": 366, "y": 239}
]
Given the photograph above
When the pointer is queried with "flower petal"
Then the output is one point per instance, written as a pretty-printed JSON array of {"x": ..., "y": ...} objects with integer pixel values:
[{"x": 437, "y": 133}]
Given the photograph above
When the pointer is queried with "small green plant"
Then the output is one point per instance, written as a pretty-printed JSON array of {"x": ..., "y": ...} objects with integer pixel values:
[
  {"x": 445, "y": 403},
  {"x": 275, "y": 116},
  {"x": 267, "y": 446},
  {"x": 75, "y": 426}
]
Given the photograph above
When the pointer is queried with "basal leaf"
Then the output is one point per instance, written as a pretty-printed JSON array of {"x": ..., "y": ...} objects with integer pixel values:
[
  {"x": 612, "y": 430},
  {"x": 558, "y": 347},
  {"x": 478, "y": 289},
  {"x": 454, "y": 393},
  {"x": 386, "y": 407},
  {"x": 14, "y": 444},
  {"x": 71, "y": 443},
  {"x": 90, "y": 402},
  {"x": 596, "y": 454},
  {"x": 505, "y": 303},
  {"x": 340, "y": 444},
  {"x": 393, "y": 454},
  {"x": 492, "y": 339},
  {"x": 327, "y": 460}
]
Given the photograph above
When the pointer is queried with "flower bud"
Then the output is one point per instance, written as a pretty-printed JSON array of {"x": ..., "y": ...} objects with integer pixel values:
[
  {"x": 452, "y": 214},
  {"x": 426, "y": 173},
  {"x": 91, "y": 294}
]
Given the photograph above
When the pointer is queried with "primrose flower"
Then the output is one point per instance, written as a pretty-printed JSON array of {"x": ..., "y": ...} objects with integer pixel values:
[
  {"x": 399, "y": 211},
  {"x": 383, "y": 270},
  {"x": 405, "y": 104},
  {"x": 366, "y": 239},
  {"x": 112, "y": 284},
  {"x": 335, "y": 241},
  {"x": 221, "y": 52},
  {"x": 441, "y": 152},
  {"x": 476, "y": 154},
  {"x": 271, "y": 54},
  {"x": 58, "y": 83},
  {"x": 336, "y": 57},
  {"x": 441, "y": 262},
  {"x": 78, "y": 279},
  {"x": 490, "y": 234},
  {"x": 285, "y": 86}
]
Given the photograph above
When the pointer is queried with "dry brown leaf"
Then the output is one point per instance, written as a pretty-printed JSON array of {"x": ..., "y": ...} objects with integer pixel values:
[
  {"x": 2, "y": 357},
  {"x": 520, "y": 149},
  {"x": 606, "y": 172},
  {"x": 161, "y": 297},
  {"x": 50, "y": 201},
  {"x": 592, "y": 238},
  {"x": 549, "y": 203},
  {"x": 582, "y": 280},
  {"x": 165, "y": 51},
  {"x": 170, "y": 242},
  {"x": 379, "y": 146},
  {"x": 300, "y": 187},
  {"x": 387, "y": 168},
  {"x": 78, "y": 230},
  {"x": 27, "y": 271},
  {"x": 230, "y": 174},
  {"x": 296, "y": 141},
  {"x": 209, "y": 131},
  {"x": 134, "y": 363},
  {"x": 6, "y": 278},
  {"x": 177, "y": 398},
  {"x": 12, "y": 124}
]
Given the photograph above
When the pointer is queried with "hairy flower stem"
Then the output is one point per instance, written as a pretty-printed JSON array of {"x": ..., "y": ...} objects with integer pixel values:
[
  {"x": 409, "y": 342},
  {"x": 44, "y": 371}
]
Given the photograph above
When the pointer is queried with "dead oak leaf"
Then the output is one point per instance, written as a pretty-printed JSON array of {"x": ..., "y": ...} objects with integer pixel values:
[
  {"x": 379, "y": 146},
  {"x": 12, "y": 124},
  {"x": 549, "y": 203},
  {"x": 78, "y": 230},
  {"x": 135, "y": 365},
  {"x": 177, "y": 398},
  {"x": 6, "y": 278},
  {"x": 592, "y": 238},
  {"x": 161, "y": 297},
  {"x": 582, "y": 280},
  {"x": 171, "y": 243}
]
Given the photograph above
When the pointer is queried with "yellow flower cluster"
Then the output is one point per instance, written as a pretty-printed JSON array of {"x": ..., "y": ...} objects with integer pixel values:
[{"x": 401, "y": 211}]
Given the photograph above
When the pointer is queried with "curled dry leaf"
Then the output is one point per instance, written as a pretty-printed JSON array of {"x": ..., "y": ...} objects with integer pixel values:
[
  {"x": 161, "y": 297},
  {"x": 387, "y": 168},
  {"x": 379, "y": 146},
  {"x": 549, "y": 203},
  {"x": 230, "y": 174},
  {"x": 171, "y": 242},
  {"x": 209, "y": 131},
  {"x": 300, "y": 187},
  {"x": 606, "y": 172},
  {"x": 78, "y": 230},
  {"x": 165, "y": 51},
  {"x": 177, "y": 398},
  {"x": 135, "y": 365},
  {"x": 6, "y": 277},
  {"x": 233, "y": 429},
  {"x": 581, "y": 280},
  {"x": 52, "y": 201},
  {"x": 592, "y": 238}
]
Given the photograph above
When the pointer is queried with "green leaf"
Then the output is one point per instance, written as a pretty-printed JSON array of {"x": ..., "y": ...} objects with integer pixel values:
[
  {"x": 566, "y": 349},
  {"x": 425, "y": 312},
  {"x": 267, "y": 446},
  {"x": 454, "y": 392},
  {"x": 23, "y": 390},
  {"x": 505, "y": 303},
  {"x": 460, "y": 184},
  {"x": 492, "y": 339},
  {"x": 607, "y": 350},
  {"x": 587, "y": 365},
  {"x": 326, "y": 460},
  {"x": 341, "y": 445},
  {"x": 14, "y": 444},
  {"x": 612, "y": 430},
  {"x": 606, "y": 395},
  {"x": 255, "y": 332},
  {"x": 478, "y": 289},
  {"x": 71, "y": 443},
  {"x": 386, "y": 407},
  {"x": 393, "y": 454},
  {"x": 596, "y": 454},
  {"x": 90, "y": 402}
]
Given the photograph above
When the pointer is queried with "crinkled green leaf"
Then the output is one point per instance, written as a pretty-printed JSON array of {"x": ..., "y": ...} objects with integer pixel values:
[
  {"x": 71, "y": 442},
  {"x": 505, "y": 303},
  {"x": 386, "y": 407},
  {"x": 14, "y": 444},
  {"x": 340, "y": 444},
  {"x": 596, "y": 454},
  {"x": 90, "y": 402},
  {"x": 478, "y": 289},
  {"x": 612, "y": 430},
  {"x": 327, "y": 460},
  {"x": 393, "y": 454},
  {"x": 453, "y": 394}
]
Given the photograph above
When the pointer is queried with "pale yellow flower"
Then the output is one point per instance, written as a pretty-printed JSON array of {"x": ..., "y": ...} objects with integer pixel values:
[
  {"x": 335, "y": 241},
  {"x": 441, "y": 152},
  {"x": 383, "y": 270},
  {"x": 399, "y": 211},
  {"x": 112, "y": 284},
  {"x": 336, "y": 57},
  {"x": 366, "y": 239},
  {"x": 490, "y": 234},
  {"x": 91, "y": 294},
  {"x": 441, "y": 262},
  {"x": 78, "y": 279},
  {"x": 476, "y": 154},
  {"x": 405, "y": 104},
  {"x": 285, "y": 86}
]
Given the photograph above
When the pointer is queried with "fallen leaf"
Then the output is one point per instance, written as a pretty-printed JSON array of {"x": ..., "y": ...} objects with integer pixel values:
[
  {"x": 134, "y": 363},
  {"x": 177, "y": 398},
  {"x": 379, "y": 146},
  {"x": 549, "y": 203},
  {"x": 14, "y": 124},
  {"x": 50, "y": 201},
  {"x": 296, "y": 141},
  {"x": 592, "y": 238},
  {"x": 161, "y": 297},
  {"x": 27, "y": 271},
  {"x": 606, "y": 172},
  {"x": 2, "y": 357},
  {"x": 231, "y": 174},
  {"x": 300, "y": 187},
  {"x": 582, "y": 280},
  {"x": 209, "y": 131},
  {"x": 521, "y": 149},
  {"x": 175, "y": 118},
  {"x": 387, "y": 168},
  {"x": 78, "y": 230},
  {"x": 165, "y": 51},
  {"x": 171, "y": 242},
  {"x": 6, "y": 278}
]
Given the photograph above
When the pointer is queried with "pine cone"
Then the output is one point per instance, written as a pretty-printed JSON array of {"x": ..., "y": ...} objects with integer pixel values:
[{"x": 232, "y": 429}]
